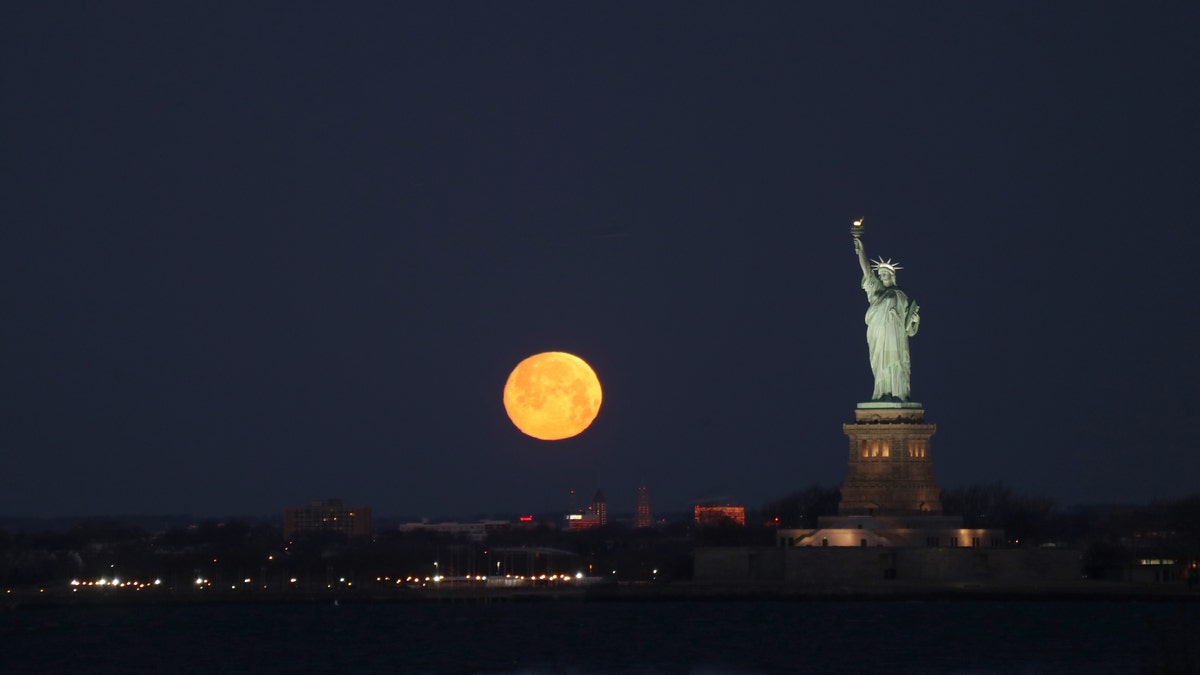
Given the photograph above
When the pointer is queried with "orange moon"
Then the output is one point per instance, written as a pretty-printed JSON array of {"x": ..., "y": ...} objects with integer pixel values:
[{"x": 552, "y": 395}]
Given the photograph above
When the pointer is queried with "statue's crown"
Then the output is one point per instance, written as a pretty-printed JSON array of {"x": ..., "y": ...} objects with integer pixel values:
[{"x": 882, "y": 264}]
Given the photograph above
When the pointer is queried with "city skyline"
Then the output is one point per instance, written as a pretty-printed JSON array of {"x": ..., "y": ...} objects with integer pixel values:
[{"x": 254, "y": 257}]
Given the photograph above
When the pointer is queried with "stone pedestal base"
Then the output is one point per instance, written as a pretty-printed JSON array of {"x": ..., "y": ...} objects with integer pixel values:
[{"x": 890, "y": 468}]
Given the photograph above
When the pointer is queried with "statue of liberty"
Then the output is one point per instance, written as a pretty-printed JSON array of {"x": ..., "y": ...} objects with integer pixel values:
[{"x": 891, "y": 319}]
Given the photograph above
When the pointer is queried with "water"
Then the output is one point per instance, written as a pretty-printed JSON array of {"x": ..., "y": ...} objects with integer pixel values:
[{"x": 607, "y": 637}]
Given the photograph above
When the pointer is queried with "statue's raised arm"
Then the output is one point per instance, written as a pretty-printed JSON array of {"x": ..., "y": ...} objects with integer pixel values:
[
  {"x": 891, "y": 319},
  {"x": 862, "y": 256}
]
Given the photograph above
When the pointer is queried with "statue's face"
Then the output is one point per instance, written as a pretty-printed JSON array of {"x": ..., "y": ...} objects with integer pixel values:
[{"x": 887, "y": 276}]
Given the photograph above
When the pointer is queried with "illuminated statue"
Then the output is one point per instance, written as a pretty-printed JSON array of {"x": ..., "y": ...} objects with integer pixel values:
[{"x": 891, "y": 319}]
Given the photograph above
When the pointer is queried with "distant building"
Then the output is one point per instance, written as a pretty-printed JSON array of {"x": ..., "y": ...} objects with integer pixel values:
[
  {"x": 1158, "y": 570},
  {"x": 720, "y": 515},
  {"x": 477, "y": 531},
  {"x": 596, "y": 515},
  {"x": 641, "y": 516},
  {"x": 330, "y": 515},
  {"x": 582, "y": 521},
  {"x": 599, "y": 507}
]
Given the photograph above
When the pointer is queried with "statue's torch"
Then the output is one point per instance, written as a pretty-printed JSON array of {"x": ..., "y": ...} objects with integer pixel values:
[{"x": 856, "y": 228}]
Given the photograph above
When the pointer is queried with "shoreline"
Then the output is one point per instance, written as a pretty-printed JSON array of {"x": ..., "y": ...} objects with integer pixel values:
[{"x": 1094, "y": 591}]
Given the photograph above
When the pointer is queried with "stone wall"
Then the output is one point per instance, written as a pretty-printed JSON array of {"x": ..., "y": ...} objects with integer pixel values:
[{"x": 856, "y": 566}]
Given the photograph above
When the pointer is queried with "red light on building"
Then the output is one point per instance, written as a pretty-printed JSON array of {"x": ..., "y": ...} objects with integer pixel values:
[{"x": 526, "y": 519}]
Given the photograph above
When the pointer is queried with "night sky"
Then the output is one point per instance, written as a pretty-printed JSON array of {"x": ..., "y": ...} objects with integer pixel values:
[{"x": 255, "y": 254}]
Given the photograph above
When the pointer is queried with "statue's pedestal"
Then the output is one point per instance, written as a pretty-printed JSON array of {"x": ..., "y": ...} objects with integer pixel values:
[
  {"x": 890, "y": 500},
  {"x": 890, "y": 468}
]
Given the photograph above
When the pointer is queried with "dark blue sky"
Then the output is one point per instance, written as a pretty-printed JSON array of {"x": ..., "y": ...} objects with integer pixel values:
[{"x": 254, "y": 254}]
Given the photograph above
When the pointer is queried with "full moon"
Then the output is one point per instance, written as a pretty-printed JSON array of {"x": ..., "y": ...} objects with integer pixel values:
[{"x": 552, "y": 395}]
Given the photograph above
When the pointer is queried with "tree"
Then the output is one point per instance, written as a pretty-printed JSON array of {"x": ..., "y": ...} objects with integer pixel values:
[
  {"x": 802, "y": 508},
  {"x": 1024, "y": 518}
]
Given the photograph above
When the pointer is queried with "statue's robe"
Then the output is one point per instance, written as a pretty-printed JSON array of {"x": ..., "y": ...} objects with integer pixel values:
[{"x": 891, "y": 319}]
